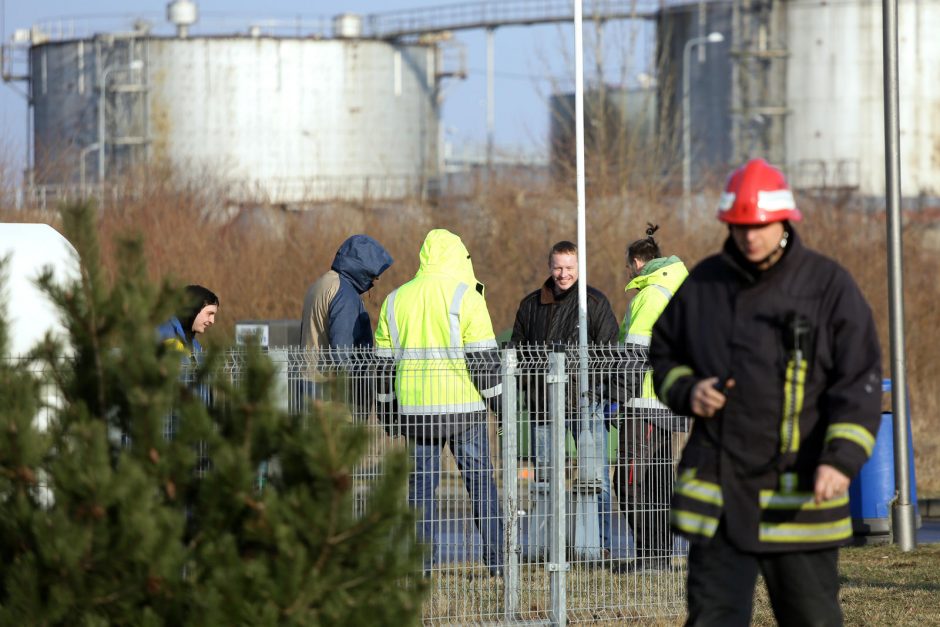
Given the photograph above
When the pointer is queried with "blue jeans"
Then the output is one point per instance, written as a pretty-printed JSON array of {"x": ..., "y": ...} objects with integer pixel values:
[
  {"x": 472, "y": 452},
  {"x": 542, "y": 441}
]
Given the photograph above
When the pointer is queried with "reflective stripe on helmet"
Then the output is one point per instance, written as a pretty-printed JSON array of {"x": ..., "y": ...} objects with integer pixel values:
[
  {"x": 726, "y": 201},
  {"x": 779, "y": 200}
]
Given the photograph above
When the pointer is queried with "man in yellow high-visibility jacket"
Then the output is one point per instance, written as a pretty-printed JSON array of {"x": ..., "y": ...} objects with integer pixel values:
[{"x": 438, "y": 330}]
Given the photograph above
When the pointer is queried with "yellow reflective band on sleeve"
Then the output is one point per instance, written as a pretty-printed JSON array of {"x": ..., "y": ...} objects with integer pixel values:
[
  {"x": 804, "y": 501},
  {"x": 852, "y": 432},
  {"x": 175, "y": 344},
  {"x": 704, "y": 491},
  {"x": 671, "y": 377},
  {"x": 690, "y": 522},
  {"x": 806, "y": 532},
  {"x": 793, "y": 388}
]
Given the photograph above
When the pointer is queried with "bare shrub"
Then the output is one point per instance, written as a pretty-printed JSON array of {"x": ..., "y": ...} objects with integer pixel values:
[{"x": 260, "y": 260}]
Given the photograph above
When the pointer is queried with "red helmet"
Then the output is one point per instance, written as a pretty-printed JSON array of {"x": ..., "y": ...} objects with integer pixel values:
[{"x": 757, "y": 193}]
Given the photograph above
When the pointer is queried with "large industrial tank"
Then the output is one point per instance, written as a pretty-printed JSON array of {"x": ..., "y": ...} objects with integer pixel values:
[
  {"x": 619, "y": 131},
  {"x": 710, "y": 87},
  {"x": 281, "y": 119},
  {"x": 835, "y": 130},
  {"x": 801, "y": 84}
]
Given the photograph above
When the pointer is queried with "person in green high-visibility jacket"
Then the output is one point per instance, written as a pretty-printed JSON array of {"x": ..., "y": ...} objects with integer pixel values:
[
  {"x": 644, "y": 471},
  {"x": 437, "y": 333}
]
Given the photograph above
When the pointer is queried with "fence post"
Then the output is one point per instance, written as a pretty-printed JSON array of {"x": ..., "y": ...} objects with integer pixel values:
[
  {"x": 510, "y": 457},
  {"x": 278, "y": 357},
  {"x": 558, "y": 563}
]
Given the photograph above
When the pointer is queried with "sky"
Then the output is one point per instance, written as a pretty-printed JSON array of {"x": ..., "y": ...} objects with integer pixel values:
[{"x": 531, "y": 62}]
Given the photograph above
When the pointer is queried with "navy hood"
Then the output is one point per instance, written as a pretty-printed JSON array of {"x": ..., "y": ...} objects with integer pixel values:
[{"x": 360, "y": 259}]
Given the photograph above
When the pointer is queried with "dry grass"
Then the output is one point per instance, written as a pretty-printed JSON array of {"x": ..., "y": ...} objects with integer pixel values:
[
  {"x": 879, "y": 586},
  {"x": 593, "y": 595},
  {"x": 261, "y": 260}
]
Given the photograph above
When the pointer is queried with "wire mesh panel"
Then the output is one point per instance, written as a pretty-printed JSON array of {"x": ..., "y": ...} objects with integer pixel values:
[
  {"x": 427, "y": 402},
  {"x": 643, "y": 440},
  {"x": 482, "y": 473},
  {"x": 536, "y": 501}
]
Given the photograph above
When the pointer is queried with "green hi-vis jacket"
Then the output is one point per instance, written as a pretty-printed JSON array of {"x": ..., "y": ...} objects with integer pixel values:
[
  {"x": 657, "y": 283},
  {"x": 433, "y": 326},
  {"x": 800, "y": 343}
]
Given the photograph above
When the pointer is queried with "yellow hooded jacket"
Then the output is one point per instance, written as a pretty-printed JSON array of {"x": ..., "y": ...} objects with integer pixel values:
[{"x": 429, "y": 324}]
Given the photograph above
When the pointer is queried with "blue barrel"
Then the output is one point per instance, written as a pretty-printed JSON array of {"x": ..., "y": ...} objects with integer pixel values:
[{"x": 871, "y": 491}]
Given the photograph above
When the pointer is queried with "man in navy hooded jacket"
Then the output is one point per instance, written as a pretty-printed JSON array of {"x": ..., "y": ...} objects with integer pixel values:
[{"x": 334, "y": 315}]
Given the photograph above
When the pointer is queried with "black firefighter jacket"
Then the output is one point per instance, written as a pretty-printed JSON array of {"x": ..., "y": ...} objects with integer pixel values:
[
  {"x": 544, "y": 319},
  {"x": 800, "y": 342}
]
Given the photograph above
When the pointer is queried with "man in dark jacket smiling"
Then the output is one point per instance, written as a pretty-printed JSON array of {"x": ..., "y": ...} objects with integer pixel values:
[
  {"x": 773, "y": 350},
  {"x": 333, "y": 314},
  {"x": 547, "y": 316}
]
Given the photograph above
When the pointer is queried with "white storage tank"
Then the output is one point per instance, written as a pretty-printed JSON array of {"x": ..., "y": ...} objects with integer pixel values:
[
  {"x": 284, "y": 119},
  {"x": 835, "y": 130}
]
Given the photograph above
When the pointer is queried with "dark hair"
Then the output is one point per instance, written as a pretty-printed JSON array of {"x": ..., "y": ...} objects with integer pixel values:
[
  {"x": 564, "y": 247},
  {"x": 645, "y": 249},
  {"x": 195, "y": 297}
]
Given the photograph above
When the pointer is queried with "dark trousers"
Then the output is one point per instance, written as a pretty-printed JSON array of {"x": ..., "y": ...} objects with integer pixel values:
[
  {"x": 803, "y": 585},
  {"x": 644, "y": 479}
]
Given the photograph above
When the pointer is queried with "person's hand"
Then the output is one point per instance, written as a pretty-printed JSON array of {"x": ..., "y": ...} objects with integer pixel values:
[
  {"x": 706, "y": 399},
  {"x": 830, "y": 483}
]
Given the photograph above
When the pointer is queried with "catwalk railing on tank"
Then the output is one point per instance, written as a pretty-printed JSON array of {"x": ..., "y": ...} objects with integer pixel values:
[
  {"x": 474, "y": 15},
  {"x": 537, "y": 500}
]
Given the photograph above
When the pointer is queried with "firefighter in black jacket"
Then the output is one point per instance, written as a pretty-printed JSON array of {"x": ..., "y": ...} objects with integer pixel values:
[{"x": 772, "y": 348}]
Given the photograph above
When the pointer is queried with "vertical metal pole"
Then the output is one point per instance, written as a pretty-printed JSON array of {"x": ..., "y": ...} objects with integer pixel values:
[
  {"x": 102, "y": 78},
  {"x": 558, "y": 565},
  {"x": 279, "y": 359},
  {"x": 701, "y": 28},
  {"x": 582, "y": 237},
  {"x": 903, "y": 513},
  {"x": 686, "y": 132},
  {"x": 490, "y": 98},
  {"x": 510, "y": 487}
]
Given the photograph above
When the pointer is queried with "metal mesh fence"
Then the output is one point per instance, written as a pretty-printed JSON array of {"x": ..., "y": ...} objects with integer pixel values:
[
  {"x": 541, "y": 501},
  {"x": 535, "y": 500}
]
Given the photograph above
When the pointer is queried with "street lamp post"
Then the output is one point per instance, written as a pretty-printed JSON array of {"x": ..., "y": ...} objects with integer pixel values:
[
  {"x": 102, "y": 93},
  {"x": 81, "y": 165},
  {"x": 711, "y": 38}
]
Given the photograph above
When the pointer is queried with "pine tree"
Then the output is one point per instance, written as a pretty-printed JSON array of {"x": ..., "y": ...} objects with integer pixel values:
[{"x": 139, "y": 529}]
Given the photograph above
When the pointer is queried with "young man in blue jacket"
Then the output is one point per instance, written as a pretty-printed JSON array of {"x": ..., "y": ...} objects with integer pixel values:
[{"x": 334, "y": 315}]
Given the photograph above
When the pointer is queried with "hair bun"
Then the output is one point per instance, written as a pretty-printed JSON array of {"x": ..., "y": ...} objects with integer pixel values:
[{"x": 650, "y": 229}]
